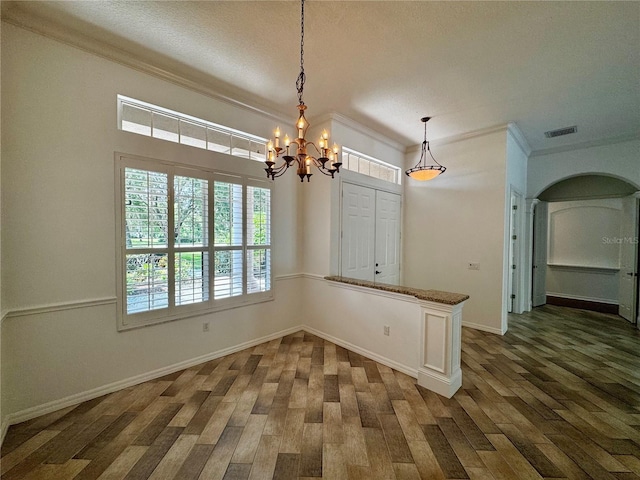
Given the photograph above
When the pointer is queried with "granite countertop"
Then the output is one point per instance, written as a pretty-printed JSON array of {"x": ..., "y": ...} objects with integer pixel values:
[{"x": 438, "y": 296}]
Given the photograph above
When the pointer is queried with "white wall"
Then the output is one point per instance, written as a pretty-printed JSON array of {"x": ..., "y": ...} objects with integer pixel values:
[
  {"x": 459, "y": 218},
  {"x": 578, "y": 233},
  {"x": 59, "y": 136},
  {"x": 355, "y": 317},
  {"x": 620, "y": 160},
  {"x": 582, "y": 264},
  {"x": 589, "y": 284}
]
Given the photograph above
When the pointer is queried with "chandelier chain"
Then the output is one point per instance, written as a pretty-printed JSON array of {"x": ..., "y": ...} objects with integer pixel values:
[
  {"x": 301, "y": 76},
  {"x": 294, "y": 152}
]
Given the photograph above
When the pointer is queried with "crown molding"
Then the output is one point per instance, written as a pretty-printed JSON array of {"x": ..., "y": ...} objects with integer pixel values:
[
  {"x": 358, "y": 127},
  {"x": 463, "y": 136},
  {"x": 519, "y": 138},
  {"x": 42, "y": 26},
  {"x": 584, "y": 145}
]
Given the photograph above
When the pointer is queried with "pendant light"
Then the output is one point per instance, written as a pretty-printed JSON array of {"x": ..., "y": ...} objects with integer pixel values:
[{"x": 422, "y": 171}]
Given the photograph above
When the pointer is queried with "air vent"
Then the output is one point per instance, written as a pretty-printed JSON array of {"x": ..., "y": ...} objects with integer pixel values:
[{"x": 561, "y": 131}]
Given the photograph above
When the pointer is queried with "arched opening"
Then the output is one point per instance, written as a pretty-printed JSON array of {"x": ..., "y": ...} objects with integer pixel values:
[{"x": 585, "y": 245}]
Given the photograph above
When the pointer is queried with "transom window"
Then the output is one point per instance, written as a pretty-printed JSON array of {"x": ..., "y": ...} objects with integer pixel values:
[
  {"x": 150, "y": 120},
  {"x": 190, "y": 240},
  {"x": 372, "y": 167}
]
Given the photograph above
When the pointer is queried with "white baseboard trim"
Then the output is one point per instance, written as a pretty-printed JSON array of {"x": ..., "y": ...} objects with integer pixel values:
[
  {"x": 483, "y": 328},
  {"x": 586, "y": 299},
  {"x": 441, "y": 384},
  {"x": 412, "y": 372},
  {"x": 38, "y": 410},
  {"x": 43, "y": 409}
]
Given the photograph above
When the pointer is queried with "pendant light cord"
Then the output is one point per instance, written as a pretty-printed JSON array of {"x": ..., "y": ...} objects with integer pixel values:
[
  {"x": 425, "y": 146},
  {"x": 302, "y": 77}
]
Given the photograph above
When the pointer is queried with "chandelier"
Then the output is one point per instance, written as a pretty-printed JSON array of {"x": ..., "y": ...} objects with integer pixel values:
[
  {"x": 422, "y": 171},
  {"x": 327, "y": 160}
]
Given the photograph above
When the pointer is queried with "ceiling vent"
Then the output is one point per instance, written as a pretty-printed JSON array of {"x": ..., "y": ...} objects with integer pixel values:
[{"x": 561, "y": 131}]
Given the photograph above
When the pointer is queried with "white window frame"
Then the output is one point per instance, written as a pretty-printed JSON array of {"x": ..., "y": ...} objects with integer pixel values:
[
  {"x": 232, "y": 133},
  {"x": 127, "y": 321},
  {"x": 350, "y": 153}
]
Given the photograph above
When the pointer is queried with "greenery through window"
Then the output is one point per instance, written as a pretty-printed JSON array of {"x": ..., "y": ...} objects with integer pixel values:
[{"x": 169, "y": 216}]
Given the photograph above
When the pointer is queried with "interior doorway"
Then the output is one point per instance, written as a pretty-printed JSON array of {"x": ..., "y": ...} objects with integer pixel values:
[
  {"x": 370, "y": 234},
  {"x": 539, "y": 267},
  {"x": 584, "y": 245}
]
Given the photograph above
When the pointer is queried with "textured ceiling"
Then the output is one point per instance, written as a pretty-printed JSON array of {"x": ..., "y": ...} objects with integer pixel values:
[{"x": 385, "y": 64}]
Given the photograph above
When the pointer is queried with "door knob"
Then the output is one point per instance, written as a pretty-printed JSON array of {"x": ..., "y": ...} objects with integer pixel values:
[
  {"x": 377, "y": 272},
  {"x": 630, "y": 274}
]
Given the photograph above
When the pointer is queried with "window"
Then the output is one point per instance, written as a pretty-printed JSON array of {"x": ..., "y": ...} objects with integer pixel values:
[
  {"x": 372, "y": 167},
  {"x": 153, "y": 121},
  {"x": 190, "y": 241}
]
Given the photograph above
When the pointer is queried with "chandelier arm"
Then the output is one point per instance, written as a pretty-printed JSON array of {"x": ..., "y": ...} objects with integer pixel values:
[
  {"x": 315, "y": 147},
  {"x": 326, "y": 171},
  {"x": 282, "y": 168},
  {"x": 279, "y": 172}
]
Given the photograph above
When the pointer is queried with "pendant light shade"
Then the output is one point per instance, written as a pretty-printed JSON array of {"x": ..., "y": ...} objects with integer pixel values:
[{"x": 423, "y": 172}]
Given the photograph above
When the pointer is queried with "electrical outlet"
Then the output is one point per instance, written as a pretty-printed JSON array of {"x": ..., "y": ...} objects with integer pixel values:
[
  {"x": 473, "y": 266},
  {"x": 205, "y": 327},
  {"x": 386, "y": 330}
]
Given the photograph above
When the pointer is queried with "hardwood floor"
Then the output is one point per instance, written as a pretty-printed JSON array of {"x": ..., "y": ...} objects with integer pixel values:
[{"x": 557, "y": 397}]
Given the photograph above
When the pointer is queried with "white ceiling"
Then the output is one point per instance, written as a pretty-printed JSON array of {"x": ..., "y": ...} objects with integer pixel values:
[{"x": 469, "y": 65}]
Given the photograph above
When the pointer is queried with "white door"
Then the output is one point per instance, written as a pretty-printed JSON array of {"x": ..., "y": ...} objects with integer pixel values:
[
  {"x": 628, "y": 260},
  {"x": 358, "y": 229},
  {"x": 539, "y": 294},
  {"x": 387, "y": 256}
]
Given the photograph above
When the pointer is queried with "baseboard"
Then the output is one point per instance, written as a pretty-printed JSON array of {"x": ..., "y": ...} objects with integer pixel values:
[
  {"x": 441, "y": 384},
  {"x": 412, "y": 372},
  {"x": 583, "y": 304},
  {"x": 484, "y": 328},
  {"x": 607, "y": 301},
  {"x": 38, "y": 410}
]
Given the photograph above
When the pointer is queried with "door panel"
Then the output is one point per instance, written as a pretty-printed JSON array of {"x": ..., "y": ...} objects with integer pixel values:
[
  {"x": 628, "y": 262},
  {"x": 387, "y": 257},
  {"x": 358, "y": 228}
]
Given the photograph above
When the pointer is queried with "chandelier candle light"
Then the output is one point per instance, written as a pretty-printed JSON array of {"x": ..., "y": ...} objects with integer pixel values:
[
  {"x": 422, "y": 171},
  {"x": 327, "y": 162}
]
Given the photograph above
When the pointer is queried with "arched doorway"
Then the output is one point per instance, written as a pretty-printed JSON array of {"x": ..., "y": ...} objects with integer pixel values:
[{"x": 584, "y": 237}]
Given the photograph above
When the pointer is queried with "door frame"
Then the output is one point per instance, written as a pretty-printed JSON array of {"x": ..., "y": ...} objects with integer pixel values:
[
  {"x": 336, "y": 214},
  {"x": 515, "y": 253}
]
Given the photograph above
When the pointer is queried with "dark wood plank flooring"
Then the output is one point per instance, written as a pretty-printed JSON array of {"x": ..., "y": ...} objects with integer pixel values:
[{"x": 558, "y": 396}]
